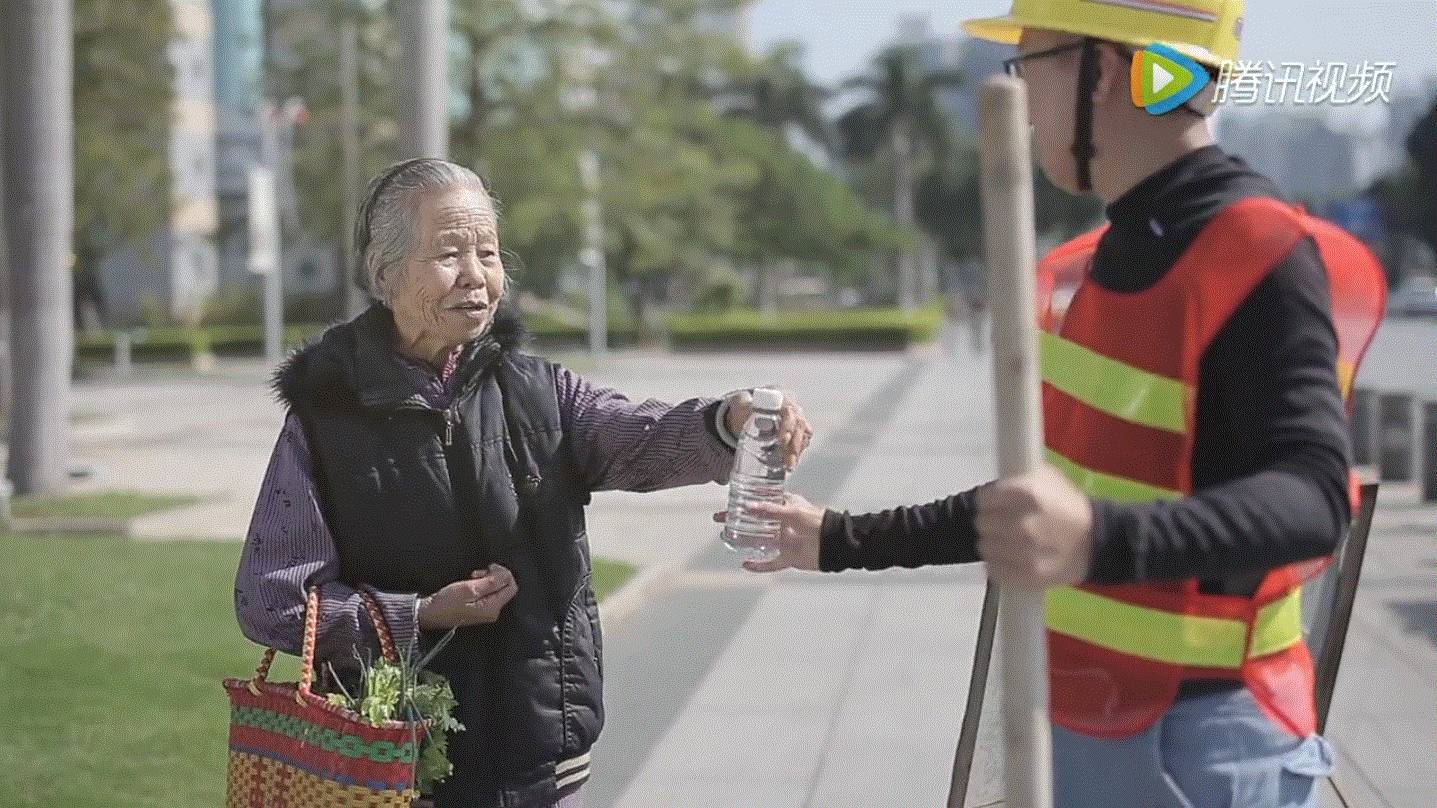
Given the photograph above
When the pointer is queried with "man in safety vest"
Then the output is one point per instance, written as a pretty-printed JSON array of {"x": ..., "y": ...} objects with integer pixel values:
[{"x": 1196, "y": 353}]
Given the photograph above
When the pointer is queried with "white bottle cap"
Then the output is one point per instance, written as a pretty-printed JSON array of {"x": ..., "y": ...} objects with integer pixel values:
[{"x": 767, "y": 398}]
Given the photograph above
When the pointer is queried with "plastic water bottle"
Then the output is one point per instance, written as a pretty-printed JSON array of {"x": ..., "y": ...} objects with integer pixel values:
[{"x": 758, "y": 476}]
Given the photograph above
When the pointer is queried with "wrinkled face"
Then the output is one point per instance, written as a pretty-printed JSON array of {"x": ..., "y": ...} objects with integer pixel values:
[
  {"x": 446, "y": 291},
  {"x": 1052, "y": 95}
]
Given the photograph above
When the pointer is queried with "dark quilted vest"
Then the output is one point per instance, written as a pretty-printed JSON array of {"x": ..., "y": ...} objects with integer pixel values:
[{"x": 417, "y": 498}]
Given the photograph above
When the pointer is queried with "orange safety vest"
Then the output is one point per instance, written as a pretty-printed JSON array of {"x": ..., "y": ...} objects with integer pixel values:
[{"x": 1120, "y": 376}]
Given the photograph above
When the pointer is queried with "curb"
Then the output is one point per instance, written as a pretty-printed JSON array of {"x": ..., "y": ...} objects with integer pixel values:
[
  {"x": 59, "y": 524},
  {"x": 647, "y": 582}
]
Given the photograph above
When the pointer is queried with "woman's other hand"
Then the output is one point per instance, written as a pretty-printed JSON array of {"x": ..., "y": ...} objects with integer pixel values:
[{"x": 474, "y": 601}]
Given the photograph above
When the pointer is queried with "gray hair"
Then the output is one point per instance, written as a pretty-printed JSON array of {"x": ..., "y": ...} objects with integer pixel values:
[{"x": 384, "y": 228}]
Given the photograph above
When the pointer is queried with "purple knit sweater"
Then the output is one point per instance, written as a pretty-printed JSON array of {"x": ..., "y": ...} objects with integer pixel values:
[{"x": 617, "y": 445}]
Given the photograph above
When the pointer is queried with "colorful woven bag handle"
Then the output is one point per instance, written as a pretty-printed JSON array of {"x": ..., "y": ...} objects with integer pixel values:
[{"x": 311, "y": 630}]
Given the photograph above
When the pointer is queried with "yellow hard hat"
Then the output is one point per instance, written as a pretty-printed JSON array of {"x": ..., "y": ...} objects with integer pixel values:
[{"x": 1206, "y": 30}]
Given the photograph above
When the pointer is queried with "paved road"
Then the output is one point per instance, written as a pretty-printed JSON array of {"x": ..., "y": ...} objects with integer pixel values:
[
  {"x": 1403, "y": 357},
  {"x": 727, "y": 689}
]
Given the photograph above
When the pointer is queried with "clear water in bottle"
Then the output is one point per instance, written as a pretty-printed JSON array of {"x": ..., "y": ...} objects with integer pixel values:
[{"x": 758, "y": 476}]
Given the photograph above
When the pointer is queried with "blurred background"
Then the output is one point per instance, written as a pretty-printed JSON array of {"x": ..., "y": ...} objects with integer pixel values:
[
  {"x": 695, "y": 196},
  {"x": 750, "y": 157}
]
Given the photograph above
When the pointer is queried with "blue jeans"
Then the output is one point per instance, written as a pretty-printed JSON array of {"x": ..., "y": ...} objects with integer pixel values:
[{"x": 1217, "y": 751}]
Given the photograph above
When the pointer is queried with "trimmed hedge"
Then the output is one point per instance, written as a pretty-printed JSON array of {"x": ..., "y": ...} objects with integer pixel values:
[
  {"x": 739, "y": 329},
  {"x": 176, "y": 344},
  {"x": 551, "y": 333},
  {"x": 839, "y": 330}
]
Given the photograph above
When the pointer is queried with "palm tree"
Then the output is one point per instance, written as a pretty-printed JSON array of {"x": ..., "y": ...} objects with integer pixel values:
[
  {"x": 903, "y": 114},
  {"x": 779, "y": 96}
]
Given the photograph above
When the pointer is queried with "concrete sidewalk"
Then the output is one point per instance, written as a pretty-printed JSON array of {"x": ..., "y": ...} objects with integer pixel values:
[
  {"x": 729, "y": 689},
  {"x": 211, "y": 436},
  {"x": 1384, "y": 714},
  {"x": 833, "y": 690}
]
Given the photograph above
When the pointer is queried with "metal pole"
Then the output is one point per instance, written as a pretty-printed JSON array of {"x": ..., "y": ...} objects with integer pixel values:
[
  {"x": 39, "y": 216},
  {"x": 352, "y": 296},
  {"x": 1011, "y": 248},
  {"x": 274, "y": 316},
  {"x": 422, "y": 98},
  {"x": 7, "y": 492},
  {"x": 6, "y": 352},
  {"x": 593, "y": 254},
  {"x": 266, "y": 252},
  {"x": 123, "y": 366}
]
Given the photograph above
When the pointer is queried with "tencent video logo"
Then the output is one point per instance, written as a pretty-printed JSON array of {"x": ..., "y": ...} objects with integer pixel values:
[{"x": 1164, "y": 79}]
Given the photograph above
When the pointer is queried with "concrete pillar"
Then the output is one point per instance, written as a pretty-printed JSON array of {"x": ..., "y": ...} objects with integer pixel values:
[
  {"x": 1364, "y": 427},
  {"x": 1427, "y": 454},
  {"x": 1398, "y": 419}
]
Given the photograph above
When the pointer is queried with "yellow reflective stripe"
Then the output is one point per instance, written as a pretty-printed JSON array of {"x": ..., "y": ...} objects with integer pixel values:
[
  {"x": 1114, "y": 387},
  {"x": 1108, "y": 486},
  {"x": 1205, "y": 642},
  {"x": 1278, "y": 626},
  {"x": 1345, "y": 371}
]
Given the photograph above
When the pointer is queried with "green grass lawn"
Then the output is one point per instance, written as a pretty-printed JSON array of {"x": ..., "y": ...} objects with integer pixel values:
[
  {"x": 110, "y": 505},
  {"x": 113, "y": 652}
]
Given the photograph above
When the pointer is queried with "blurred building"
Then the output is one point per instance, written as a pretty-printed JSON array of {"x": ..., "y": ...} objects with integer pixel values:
[
  {"x": 239, "y": 78},
  {"x": 177, "y": 270},
  {"x": 1319, "y": 154},
  {"x": 244, "y": 30}
]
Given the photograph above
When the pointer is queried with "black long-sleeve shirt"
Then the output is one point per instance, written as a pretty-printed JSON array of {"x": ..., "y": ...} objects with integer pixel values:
[{"x": 1271, "y": 460}]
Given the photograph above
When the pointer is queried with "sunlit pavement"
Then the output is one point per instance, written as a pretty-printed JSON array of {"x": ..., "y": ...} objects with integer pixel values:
[{"x": 728, "y": 689}]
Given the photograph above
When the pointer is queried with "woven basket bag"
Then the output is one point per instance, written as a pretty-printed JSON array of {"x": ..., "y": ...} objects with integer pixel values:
[{"x": 290, "y": 748}]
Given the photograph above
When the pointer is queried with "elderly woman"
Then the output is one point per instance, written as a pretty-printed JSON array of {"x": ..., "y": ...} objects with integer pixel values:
[{"x": 428, "y": 461}]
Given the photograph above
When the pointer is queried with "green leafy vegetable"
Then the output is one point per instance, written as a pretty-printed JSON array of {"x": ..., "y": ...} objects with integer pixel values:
[{"x": 390, "y": 691}]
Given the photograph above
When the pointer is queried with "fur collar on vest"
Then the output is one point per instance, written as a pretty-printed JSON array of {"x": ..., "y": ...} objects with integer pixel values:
[{"x": 352, "y": 364}]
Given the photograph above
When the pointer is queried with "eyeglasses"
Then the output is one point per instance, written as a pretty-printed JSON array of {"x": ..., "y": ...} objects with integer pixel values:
[{"x": 1014, "y": 66}]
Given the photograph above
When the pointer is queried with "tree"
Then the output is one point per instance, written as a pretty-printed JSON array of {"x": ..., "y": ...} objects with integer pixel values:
[
  {"x": 949, "y": 198},
  {"x": 514, "y": 51},
  {"x": 123, "y": 96},
  {"x": 670, "y": 199},
  {"x": 1407, "y": 197},
  {"x": 795, "y": 211},
  {"x": 670, "y": 183},
  {"x": 775, "y": 94},
  {"x": 307, "y": 67},
  {"x": 1422, "y": 146},
  {"x": 520, "y": 127},
  {"x": 681, "y": 172},
  {"x": 902, "y": 114}
]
